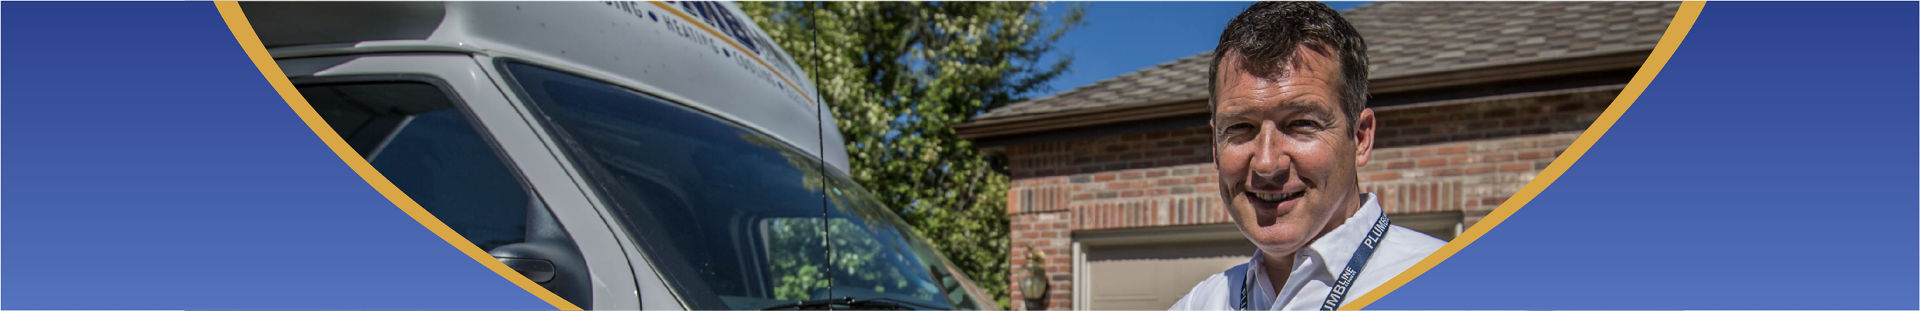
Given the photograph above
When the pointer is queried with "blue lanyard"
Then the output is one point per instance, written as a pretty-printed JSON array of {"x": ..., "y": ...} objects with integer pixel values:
[{"x": 1346, "y": 277}]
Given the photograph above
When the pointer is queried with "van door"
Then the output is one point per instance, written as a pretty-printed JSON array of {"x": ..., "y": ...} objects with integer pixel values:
[{"x": 438, "y": 128}]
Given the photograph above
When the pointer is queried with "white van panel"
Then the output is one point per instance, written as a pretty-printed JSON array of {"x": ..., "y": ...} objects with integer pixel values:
[
  {"x": 613, "y": 280},
  {"x": 652, "y": 44},
  {"x": 706, "y": 55}
]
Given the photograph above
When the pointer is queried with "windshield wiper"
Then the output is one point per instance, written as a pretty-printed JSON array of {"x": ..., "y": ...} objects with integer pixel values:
[{"x": 876, "y": 303}]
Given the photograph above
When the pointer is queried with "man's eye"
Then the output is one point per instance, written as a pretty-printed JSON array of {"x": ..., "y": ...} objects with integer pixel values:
[
  {"x": 1236, "y": 131},
  {"x": 1303, "y": 124}
]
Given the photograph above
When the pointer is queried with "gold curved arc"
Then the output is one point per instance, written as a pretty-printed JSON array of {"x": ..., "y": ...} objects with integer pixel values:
[{"x": 1669, "y": 42}]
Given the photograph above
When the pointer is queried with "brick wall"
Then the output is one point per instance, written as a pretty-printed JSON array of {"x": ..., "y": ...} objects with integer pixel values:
[
  {"x": 1459, "y": 156},
  {"x": 1484, "y": 118},
  {"x": 1110, "y": 153},
  {"x": 1471, "y": 177}
]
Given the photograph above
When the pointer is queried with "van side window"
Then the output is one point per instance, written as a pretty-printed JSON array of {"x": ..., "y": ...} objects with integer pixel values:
[
  {"x": 412, "y": 133},
  {"x": 690, "y": 188},
  {"x": 732, "y": 218}
]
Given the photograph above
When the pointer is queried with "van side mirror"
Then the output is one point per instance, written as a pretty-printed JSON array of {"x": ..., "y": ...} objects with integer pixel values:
[
  {"x": 548, "y": 256},
  {"x": 527, "y": 259}
]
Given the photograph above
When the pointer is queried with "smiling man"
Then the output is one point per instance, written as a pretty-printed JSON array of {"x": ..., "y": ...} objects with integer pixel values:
[{"x": 1290, "y": 128}]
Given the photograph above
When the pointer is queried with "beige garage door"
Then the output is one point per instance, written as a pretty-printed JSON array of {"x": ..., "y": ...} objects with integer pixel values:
[{"x": 1154, "y": 276}]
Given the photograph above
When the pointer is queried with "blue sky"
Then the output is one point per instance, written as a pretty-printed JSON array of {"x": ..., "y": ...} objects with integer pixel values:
[{"x": 1121, "y": 37}]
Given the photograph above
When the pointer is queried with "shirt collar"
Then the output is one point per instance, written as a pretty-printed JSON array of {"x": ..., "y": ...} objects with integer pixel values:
[
  {"x": 1336, "y": 247},
  {"x": 1263, "y": 292}
]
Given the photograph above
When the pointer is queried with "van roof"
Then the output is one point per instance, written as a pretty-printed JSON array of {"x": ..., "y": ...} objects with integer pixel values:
[{"x": 706, "y": 55}]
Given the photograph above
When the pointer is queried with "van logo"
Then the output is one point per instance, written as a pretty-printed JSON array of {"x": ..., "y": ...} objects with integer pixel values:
[
  {"x": 723, "y": 25},
  {"x": 711, "y": 13}
]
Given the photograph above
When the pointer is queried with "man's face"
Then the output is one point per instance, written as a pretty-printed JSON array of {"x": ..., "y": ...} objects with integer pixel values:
[{"x": 1286, "y": 151}]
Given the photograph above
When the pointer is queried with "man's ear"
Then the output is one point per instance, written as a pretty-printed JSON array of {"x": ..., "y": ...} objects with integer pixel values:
[{"x": 1363, "y": 130}]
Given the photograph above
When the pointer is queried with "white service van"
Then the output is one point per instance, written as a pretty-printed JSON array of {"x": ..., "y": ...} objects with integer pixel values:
[{"x": 625, "y": 155}]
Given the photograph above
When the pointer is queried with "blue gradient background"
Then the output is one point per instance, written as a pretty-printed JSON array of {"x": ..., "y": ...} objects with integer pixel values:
[
  {"x": 1772, "y": 165},
  {"x": 150, "y": 166}
]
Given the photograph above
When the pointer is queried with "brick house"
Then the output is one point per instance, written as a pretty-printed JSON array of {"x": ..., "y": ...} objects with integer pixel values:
[{"x": 1113, "y": 182}]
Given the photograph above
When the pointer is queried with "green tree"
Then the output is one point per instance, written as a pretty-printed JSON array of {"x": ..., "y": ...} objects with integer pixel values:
[{"x": 899, "y": 76}]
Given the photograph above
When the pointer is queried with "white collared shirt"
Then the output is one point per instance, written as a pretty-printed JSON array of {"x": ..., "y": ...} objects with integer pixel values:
[{"x": 1315, "y": 266}]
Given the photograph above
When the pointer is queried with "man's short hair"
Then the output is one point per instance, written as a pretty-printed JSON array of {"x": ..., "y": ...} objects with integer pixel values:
[{"x": 1266, "y": 35}]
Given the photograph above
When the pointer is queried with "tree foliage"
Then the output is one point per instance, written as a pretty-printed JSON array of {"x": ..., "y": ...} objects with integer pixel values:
[{"x": 899, "y": 76}]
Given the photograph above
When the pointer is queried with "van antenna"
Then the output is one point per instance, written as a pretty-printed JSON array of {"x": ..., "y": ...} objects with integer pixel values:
[{"x": 820, "y": 111}]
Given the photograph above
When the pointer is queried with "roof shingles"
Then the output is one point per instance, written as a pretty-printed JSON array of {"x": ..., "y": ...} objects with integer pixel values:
[{"x": 1407, "y": 38}]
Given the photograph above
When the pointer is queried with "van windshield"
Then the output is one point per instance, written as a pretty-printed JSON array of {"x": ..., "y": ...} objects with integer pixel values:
[{"x": 732, "y": 218}]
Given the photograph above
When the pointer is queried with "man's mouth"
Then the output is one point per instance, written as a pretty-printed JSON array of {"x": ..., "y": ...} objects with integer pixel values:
[{"x": 1277, "y": 197}]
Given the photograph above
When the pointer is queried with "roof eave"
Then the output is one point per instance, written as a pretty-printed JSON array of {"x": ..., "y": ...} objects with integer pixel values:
[
  {"x": 1037, "y": 123},
  {"x": 1404, "y": 82}
]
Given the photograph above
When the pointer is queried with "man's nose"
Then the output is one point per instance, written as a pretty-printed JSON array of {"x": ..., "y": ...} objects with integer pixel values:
[{"x": 1271, "y": 162}]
